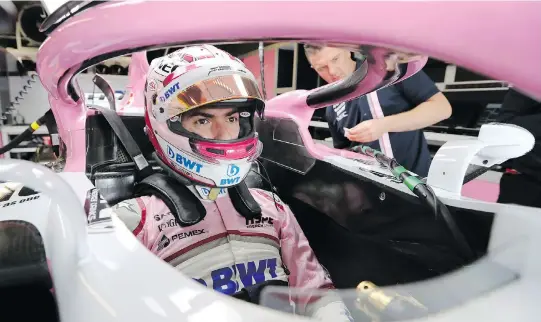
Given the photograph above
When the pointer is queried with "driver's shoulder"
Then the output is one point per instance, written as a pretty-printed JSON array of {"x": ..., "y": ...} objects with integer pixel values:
[
  {"x": 268, "y": 200},
  {"x": 133, "y": 211}
]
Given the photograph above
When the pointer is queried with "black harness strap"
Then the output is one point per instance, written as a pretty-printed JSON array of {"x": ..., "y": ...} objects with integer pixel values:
[
  {"x": 185, "y": 207},
  {"x": 243, "y": 201}
]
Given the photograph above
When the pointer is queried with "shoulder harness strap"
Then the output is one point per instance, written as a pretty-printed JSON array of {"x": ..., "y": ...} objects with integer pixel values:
[
  {"x": 243, "y": 201},
  {"x": 185, "y": 207}
]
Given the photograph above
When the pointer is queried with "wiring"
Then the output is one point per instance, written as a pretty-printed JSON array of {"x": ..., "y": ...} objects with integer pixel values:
[
  {"x": 32, "y": 78},
  {"x": 26, "y": 134},
  {"x": 423, "y": 191},
  {"x": 268, "y": 180}
]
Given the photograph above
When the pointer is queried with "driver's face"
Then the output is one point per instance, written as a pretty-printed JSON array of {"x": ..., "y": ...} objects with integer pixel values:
[{"x": 212, "y": 123}]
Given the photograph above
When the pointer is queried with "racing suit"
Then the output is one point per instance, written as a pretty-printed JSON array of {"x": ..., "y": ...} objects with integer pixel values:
[{"x": 227, "y": 252}]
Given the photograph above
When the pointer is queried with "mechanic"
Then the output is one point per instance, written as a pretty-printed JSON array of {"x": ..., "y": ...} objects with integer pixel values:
[
  {"x": 521, "y": 182},
  {"x": 405, "y": 109},
  {"x": 200, "y": 106}
]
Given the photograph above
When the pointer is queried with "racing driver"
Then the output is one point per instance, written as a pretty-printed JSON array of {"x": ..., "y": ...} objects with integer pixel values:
[{"x": 200, "y": 105}]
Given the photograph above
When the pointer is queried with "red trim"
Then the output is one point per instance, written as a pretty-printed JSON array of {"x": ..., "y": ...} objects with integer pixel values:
[
  {"x": 245, "y": 233},
  {"x": 511, "y": 171},
  {"x": 230, "y": 151},
  {"x": 218, "y": 236},
  {"x": 194, "y": 245},
  {"x": 141, "y": 224}
]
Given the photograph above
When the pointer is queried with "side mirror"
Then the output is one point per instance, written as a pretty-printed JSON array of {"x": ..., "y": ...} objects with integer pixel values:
[{"x": 380, "y": 67}]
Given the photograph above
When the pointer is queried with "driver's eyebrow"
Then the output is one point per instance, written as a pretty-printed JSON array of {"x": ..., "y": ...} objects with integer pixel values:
[
  {"x": 199, "y": 113},
  {"x": 232, "y": 112},
  {"x": 208, "y": 115}
]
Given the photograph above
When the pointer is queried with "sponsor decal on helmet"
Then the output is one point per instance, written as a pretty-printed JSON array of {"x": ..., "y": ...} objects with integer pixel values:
[
  {"x": 183, "y": 161},
  {"x": 170, "y": 91},
  {"x": 233, "y": 170},
  {"x": 229, "y": 181},
  {"x": 167, "y": 67},
  {"x": 245, "y": 114},
  {"x": 218, "y": 69},
  {"x": 152, "y": 85}
]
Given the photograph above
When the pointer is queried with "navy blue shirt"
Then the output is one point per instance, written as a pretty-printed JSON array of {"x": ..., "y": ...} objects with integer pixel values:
[{"x": 409, "y": 148}]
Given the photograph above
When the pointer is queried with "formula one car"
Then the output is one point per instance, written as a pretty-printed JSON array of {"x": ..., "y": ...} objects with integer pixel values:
[{"x": 436, "y": 254}]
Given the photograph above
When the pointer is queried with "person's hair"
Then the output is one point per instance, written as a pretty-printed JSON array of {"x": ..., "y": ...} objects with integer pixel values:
[{"x": 311, "y": 49}]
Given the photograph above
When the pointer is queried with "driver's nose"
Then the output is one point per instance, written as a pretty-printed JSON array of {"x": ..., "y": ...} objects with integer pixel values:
[{"x": 224, "y": 132}]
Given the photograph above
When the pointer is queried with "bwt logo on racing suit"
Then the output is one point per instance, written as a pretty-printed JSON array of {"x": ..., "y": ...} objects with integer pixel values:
[
  {"x": 206, "y": 191},
  {"x": 250, "y": 273},
  {"x": 259, "y": 222},
  {"x": 184, "y": 161},
  {"x": 170, "y": 92}
]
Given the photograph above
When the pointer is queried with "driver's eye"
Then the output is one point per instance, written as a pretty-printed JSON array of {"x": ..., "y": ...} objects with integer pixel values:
[
  {"x": 233, "y": 119},
  {"x": 335, "y": 59},
  {"x": 202, "y": 121}
]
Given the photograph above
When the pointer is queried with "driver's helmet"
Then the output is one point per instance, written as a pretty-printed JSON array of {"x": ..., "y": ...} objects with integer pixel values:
[{"x": 186, "y": 83}]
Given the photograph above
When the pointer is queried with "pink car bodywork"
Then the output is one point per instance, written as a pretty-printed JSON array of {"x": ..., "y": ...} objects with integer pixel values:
[{"x": 498, "y": 39}]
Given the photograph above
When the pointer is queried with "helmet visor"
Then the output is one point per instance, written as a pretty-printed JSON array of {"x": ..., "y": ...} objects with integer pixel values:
[{"x": 174, "y": 101}]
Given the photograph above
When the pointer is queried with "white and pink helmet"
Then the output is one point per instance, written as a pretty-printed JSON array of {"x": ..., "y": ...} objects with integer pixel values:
[{"x": 195, "y": 77}]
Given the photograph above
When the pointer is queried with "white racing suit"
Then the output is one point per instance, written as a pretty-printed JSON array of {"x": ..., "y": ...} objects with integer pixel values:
[{"x": 228, "y": 253}]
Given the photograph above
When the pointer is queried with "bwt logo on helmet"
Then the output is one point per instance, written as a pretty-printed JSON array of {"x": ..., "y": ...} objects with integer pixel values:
[
  {"x": 170, "y": 91},
  {"x": 184, "y": 161},
  {"x": 232, "y": 170}
]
